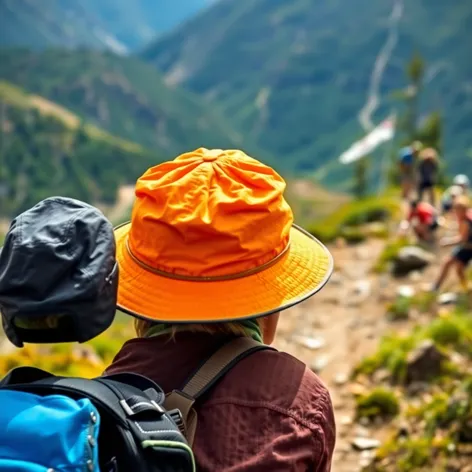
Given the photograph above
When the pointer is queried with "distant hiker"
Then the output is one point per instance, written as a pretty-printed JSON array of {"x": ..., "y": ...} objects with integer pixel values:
[
  {"x": 423, "y": 218},
  {"x": 462, "y": 181},
  {"x": 428, "y": 167},
  {"x": 407, "y": 162},
  {"x": 462, "y": 253},
  {"x": 202, "y": 280},
  {"x": 448, "y": 197}
]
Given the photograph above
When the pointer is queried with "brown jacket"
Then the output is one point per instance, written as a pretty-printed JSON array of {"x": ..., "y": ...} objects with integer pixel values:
[{"x": 269, "y": 413}]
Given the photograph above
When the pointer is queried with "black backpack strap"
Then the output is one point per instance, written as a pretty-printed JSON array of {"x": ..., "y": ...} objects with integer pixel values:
[
  {"x": 221, "y": 362},
  {"x": 23, "y": 375}
]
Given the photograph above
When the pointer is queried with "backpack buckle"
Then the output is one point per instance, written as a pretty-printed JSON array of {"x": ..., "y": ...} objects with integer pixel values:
[
  {"x": 178, "y": 419},
  {"x": 140, "y": 406}
]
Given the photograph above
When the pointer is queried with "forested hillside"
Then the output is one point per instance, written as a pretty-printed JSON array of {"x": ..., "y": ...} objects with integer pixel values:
[
  {"x": 46, "y": 150},
  {"x": 295, "y": 75},
  {"x": 122, "y": 95}
]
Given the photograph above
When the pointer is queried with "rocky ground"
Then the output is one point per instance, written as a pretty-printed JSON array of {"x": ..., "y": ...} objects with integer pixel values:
[{"x": 343, "y": 324}]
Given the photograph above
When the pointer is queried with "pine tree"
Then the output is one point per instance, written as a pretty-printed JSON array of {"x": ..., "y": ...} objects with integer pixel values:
[{"x": 361, "y": 178}]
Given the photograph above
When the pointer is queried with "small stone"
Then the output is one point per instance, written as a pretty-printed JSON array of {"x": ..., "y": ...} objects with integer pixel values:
[
  {"x": 319, "y": 364},
  {"x": 415, "y": 276},
  {"x": 417, "y": 388},
  {"x": 424, "y": 363},
  {"x": 336, "y": 279},
  {"x": 406, "y": 291},
  {"x": 362, "y": 253},
  {"x": 310, "y": 343},
  {"x": 364, "y": 421},
  {"x": 381, "y": 375},
  {"x": 341, "y": 378},
  {"x": 367, "y": 456},
  {"x": 363, "y": 444},
  {"x": 403, "y": 431},
  {"x": 362, "y": 431},
  {"x": 345, "y": 420},
  {"x": 363, "y": 288},
  {"x": 447, "y": 299},
  {"x": 357, "y": 389}
]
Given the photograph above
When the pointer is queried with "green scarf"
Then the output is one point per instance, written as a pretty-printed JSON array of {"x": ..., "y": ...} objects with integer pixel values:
[{"x": 250, "y": 326}]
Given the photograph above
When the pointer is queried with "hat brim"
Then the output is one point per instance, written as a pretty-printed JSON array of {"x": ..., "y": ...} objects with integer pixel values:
[{"x": 299, "y": 274}]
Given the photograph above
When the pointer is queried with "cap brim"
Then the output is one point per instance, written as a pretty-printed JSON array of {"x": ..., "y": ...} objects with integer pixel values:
[{"x": 302, "y": 272}]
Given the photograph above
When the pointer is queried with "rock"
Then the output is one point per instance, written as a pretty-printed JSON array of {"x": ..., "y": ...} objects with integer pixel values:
[
  {"x": 424, "y": 363},
  {"x": 362, "y": 253},
  {"x": 357, "y": 389},
  {"x": 310, "y": 343},
  {"x": 406, "y": 291},
  {"x": 362, "y": 432},
  {"x": 345, "y": 420},
  {"x": 319, "y": 364},
  {"x": 364, "y": 421},
  {"x": 415, "y": 276},
  {"x": 381, "y": 376},
  {"x": 409, "y": 259},
  {"x": 336, "y": 279},
  {"x": 364, "y": 444},
  {"x": 341, "y": 378},
  {"x": 363, "y": 288},
  {"x": 367, "y": 457},
  {"x": 403, "y": 431},
  {"x": 448, "y": 299}
]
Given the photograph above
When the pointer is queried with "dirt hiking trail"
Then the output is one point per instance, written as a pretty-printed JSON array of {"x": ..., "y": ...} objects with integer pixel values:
[{"x": 344, "y": 323}]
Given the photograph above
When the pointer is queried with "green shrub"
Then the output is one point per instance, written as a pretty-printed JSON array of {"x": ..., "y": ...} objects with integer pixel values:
[
  {"x": 352, "y": 234},
  {"x": 446, "y": 331},
  {"x": 377, "y": 230},
  {"x": 389, "y": 253},
  {"x": 379, "y": 403},
  {"x": 424, "y": 301},
  {"x": 391, "y": 355},
  {"x": 355, "y": 213},
  {"x": 399, "y": 310}
]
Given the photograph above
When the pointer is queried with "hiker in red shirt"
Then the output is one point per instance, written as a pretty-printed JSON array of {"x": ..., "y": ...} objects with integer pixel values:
[
  {"x": 211, "y": 258},
  {"x": 423, "y": 218}
]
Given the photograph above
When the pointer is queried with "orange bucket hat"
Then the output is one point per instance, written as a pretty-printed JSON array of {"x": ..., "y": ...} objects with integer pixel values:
[{"x": 212, "y": 239}]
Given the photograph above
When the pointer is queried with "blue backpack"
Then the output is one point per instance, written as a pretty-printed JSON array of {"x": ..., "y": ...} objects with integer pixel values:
[
  {"x": 115, "y": 423},
  {"x": 406, "y": 156}
]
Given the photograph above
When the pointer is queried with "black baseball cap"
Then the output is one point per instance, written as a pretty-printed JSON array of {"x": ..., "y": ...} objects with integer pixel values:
[{"x": 58, "y": 274}]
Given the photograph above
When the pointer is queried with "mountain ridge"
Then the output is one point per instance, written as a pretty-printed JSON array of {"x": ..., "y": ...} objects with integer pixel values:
[
  {"x": 123, "y": 95},
  {"x": 47, "y": 149},
  {"x": 118, "y": 25},
  {"x": 296, "y": 75}
]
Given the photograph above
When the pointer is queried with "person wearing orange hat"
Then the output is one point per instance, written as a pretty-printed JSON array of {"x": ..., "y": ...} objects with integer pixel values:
[{"x": 209, "y": 260}]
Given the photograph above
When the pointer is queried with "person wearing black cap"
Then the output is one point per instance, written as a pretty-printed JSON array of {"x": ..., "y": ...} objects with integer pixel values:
[{"x": 58, "y": 274}]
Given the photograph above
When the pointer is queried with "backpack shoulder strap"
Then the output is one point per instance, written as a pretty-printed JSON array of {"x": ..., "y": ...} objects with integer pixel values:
[{"x": 206, "y": 376}]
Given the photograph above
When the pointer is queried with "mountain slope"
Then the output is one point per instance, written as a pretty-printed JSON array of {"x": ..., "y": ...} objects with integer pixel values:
[
  {"x": 122, "y": 95},
  {"x": 295, "y": 75},
  {"x": 119, "y": 25},
  {"x": 47, "y": 150}
]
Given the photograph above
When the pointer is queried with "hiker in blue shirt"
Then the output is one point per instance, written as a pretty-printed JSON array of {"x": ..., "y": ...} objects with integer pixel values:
[{"x": 407, "y": 158}]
